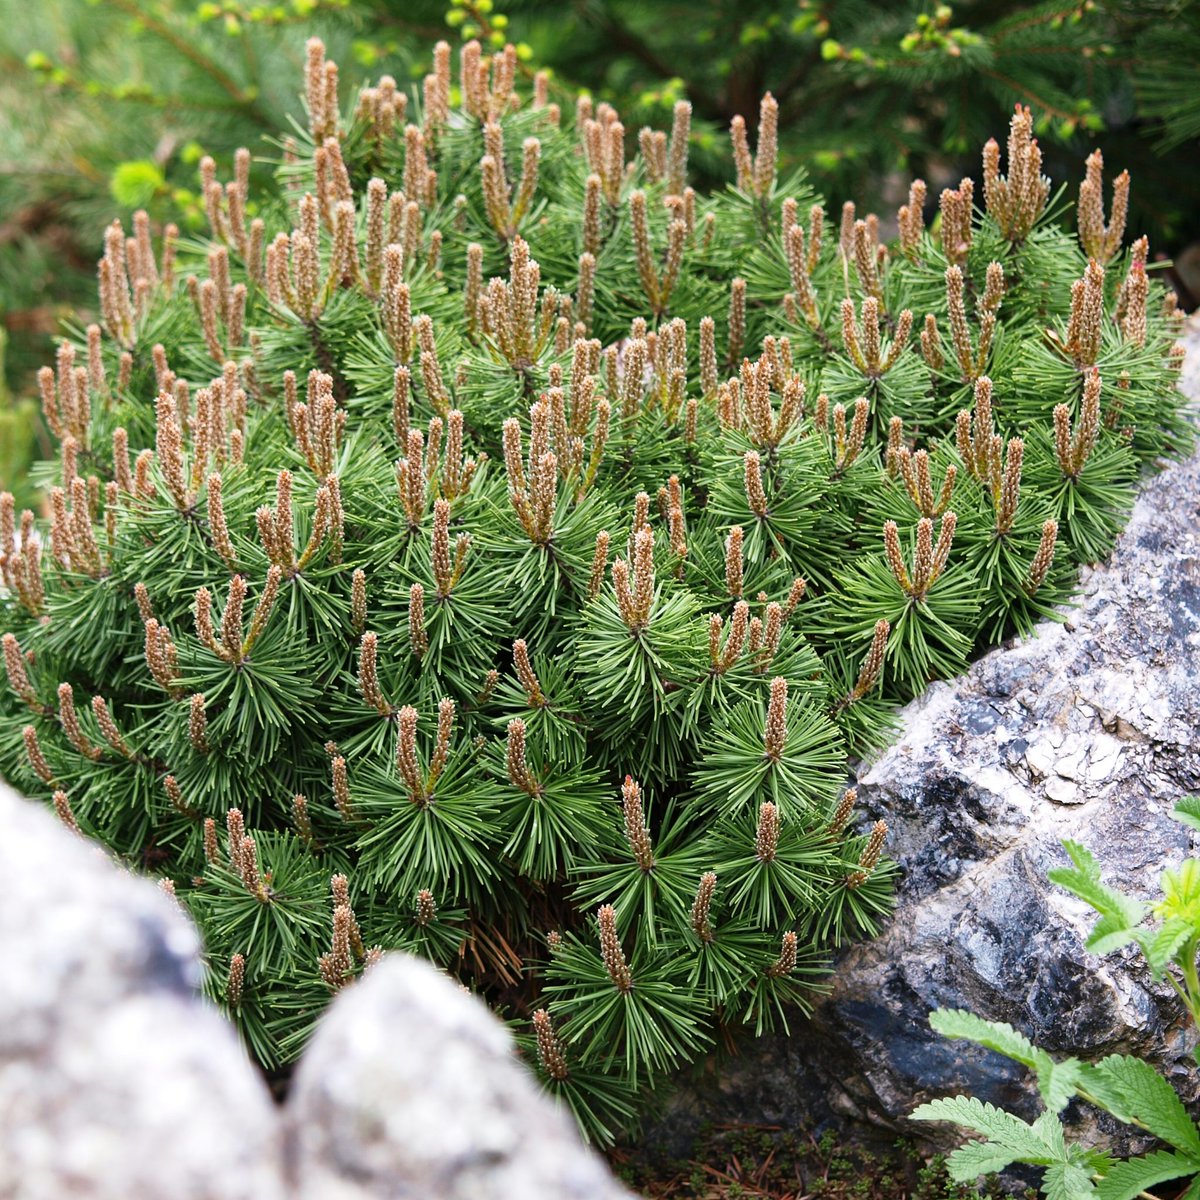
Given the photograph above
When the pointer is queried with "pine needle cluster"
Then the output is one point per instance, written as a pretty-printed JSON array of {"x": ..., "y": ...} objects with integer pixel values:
[{"x": 495, "y": 549}]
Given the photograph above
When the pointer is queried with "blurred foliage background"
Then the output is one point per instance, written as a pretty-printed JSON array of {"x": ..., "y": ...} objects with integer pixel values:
[{"x": 107, "y": 106}]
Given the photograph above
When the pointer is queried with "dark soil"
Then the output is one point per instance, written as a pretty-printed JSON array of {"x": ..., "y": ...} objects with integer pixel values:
[{"x": 759, "y": 1162}]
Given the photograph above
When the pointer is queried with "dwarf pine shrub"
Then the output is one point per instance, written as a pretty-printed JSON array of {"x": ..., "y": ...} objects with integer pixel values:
[{"x": 492, "y": 548}]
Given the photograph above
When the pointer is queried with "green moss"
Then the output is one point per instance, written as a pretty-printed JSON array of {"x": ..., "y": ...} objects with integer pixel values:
[{"x": 770, "y": 1164}]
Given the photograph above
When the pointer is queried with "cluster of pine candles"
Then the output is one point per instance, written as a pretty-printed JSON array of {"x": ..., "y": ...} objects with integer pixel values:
[{"x": 483, "y": 544}]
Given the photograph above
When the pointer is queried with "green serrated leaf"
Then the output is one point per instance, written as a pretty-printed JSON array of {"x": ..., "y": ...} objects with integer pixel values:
[
  {"x": 1086, "y": 863},
  {"x": 1120, "y": 913},
  {"x": 1188, "y": 811},
  {"x": 1101, "y": 1091},
  {"x": 993, "y": 1035},
  {"x": 1135, "y": 1175},
  {"x": 1049, "y": 1130},
  {"x": 974, "y": 1159},
  {"x": 1150, "y": 1099},
  {"x": 1181, "y": 892},
  {"x": 1110, "y": 933},
  {"x": 1066, "y": 1181},
  {"x": 1058, "y": 1082},
  {"x": 1029, "y": 1143},
  {"x": 1163, "y": 946}
]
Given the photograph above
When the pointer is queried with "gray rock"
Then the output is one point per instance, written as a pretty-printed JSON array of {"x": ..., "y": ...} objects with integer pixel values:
[
  {"x": 410, "y": 1088},
  {"x": 1089, "y": 730},
  {"x": 115, "y": 1080}
]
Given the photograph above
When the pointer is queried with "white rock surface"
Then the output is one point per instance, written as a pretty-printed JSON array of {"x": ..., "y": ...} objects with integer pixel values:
[
  {"x": 410, "y": 1089},
  {"x": 115, "y": 1080}
]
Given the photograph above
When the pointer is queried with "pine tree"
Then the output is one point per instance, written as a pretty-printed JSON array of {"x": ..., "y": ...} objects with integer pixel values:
[{"x": 494, "y": 549}]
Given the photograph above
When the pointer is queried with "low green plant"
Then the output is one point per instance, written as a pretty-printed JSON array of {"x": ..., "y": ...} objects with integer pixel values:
[
  {"x": 489, "y": 546},
  {"x": 1126, "y": 1087}
]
